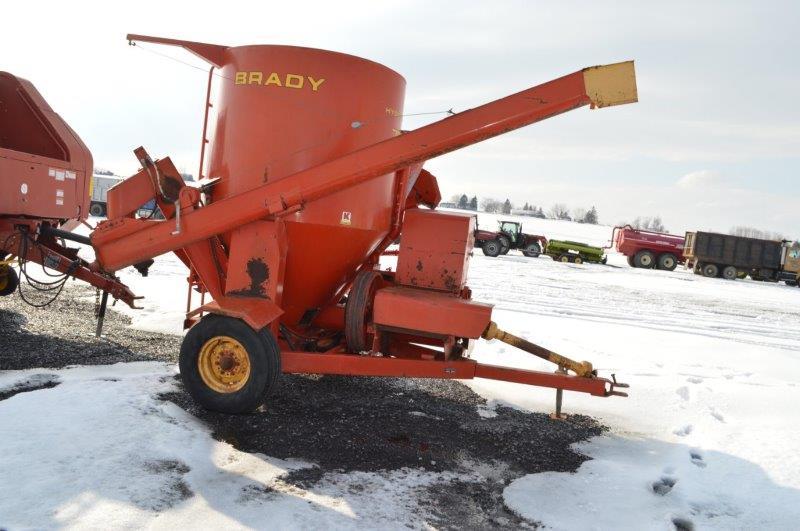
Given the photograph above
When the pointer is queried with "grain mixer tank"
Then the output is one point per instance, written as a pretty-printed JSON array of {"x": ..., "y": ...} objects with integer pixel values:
[
  {"x": 305, "y": 180},
  {"x": 277, "y": 110}
]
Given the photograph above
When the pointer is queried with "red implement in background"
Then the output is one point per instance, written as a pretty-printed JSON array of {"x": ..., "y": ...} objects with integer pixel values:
[
  {"x": 46, "y": 172},
  {"x": 649, "y": 249}
]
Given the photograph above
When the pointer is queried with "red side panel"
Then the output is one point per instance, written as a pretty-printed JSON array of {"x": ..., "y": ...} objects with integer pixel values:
[
  {"x": 430, "y": 312},
  {"x": 45, "y": 169},
  {"x": 435, "y": 249}
]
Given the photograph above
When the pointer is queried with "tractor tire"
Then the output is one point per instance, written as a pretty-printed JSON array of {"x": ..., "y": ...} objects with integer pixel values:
[
  {"x": 491, "y": 248},
  {"x": 9, "y": 280},
  {"x": 564, "y": 259},
  {"x": 630, "y": 260},
  {"x": 729, "y": 273},
  {"x": 505, "y": 244},
  {"x": 97, "y": 210},
  {"x": 667, "y": 262},
  {"x": 358, "y": 311},
  {"x": 710, "y": 270},
  {"x": 532, "y": 250},
  {"x": 228, "y": 367},
  {"x": 577, "y": 260},
  {"x": 644, "y": 259}
]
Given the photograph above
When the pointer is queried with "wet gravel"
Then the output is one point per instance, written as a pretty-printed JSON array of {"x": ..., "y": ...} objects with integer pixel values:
[
  {"x": 63, "y": 334},
  {"x": 340, "y": 423}
]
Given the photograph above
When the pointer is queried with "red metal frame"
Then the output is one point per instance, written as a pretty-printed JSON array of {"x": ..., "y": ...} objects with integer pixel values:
[{"x": 459, "y": 369}]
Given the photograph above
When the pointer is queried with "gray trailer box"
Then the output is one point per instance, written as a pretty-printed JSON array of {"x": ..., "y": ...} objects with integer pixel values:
[{"x": 724, "y": 249}]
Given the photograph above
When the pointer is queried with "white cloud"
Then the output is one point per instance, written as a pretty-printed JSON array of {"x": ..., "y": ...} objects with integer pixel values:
[{"x": 700, "y": 179}]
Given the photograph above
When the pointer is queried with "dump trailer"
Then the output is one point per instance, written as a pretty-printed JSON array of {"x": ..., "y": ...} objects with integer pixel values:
[
  {"x": 575, "y": 252},
  {"x": 45, "y": 174},
  {"x": 307, "y": 178},
  {"x": 509, "y": 236},
  {"x": 730, "y": 257},
  {"x": 648, "y": 249}
]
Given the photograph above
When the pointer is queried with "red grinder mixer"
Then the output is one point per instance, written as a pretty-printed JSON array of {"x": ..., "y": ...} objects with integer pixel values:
[{"x": 307, "y": 178}]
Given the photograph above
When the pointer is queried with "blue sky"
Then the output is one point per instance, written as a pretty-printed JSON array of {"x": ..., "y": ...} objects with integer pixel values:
[{"x": 714, "y": 141}]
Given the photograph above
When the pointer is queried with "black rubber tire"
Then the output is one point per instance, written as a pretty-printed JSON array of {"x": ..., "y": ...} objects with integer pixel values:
[
  {"x": 565, "y": 258},
  {"x": 644, "y": 259},
  {"x": 10, "y": 281},
  {"x": 729, "y": 273},
  {"x": 262, "y": 352},
  {"x": 532, "y": 250},
  {"x": 667, "y": 262},
  {"x": 630, "y": 260},
  {"x": 97, "y": 210},
  {"x": 491, "y": 248},
  {"x": 710, "y": 270},
  {"x": 358, "y": 311},
  {"x": 505, "y": 244},
  {"x": 577, "y": 260}
]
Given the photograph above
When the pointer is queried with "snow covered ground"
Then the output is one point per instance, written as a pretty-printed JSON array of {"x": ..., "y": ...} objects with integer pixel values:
[{"x": 707, "y": 438}]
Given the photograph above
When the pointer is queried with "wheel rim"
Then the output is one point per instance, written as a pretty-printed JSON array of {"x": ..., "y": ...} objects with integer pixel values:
[
  {"x": 223, "y": 364},
  {"x": 669, "y": 262},
  {"x": 578, "y": 260},
  {"x": 646, "y": 260},
  {"x": 565, "y": 259}
]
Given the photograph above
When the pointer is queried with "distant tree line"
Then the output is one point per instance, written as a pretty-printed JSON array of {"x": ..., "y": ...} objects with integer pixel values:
[
  {"x": 750, "y": 232},
  {"x": 646, "y": 223},
  {"x": 496, "y": 206}
]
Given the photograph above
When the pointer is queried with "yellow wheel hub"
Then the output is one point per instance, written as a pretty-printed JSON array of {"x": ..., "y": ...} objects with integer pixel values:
[{"x": 223, "y": 364}]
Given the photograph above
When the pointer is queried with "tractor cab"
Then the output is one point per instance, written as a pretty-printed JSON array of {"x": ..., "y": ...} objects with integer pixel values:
[{"x": 512, "y": 229}]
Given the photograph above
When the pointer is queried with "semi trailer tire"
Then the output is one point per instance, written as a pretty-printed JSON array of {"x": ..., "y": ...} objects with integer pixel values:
[
  {"x": 97, "y": 210},
  {"x": 644, "y": 259},
  {"x": 491, "y": 248},
  {"x": 667, "y": 261},
  {"x": 577, "y": 260},
  {"x": 532, "y": 250},
  {"x": 9, "y": 280},
  {"x": 228, "y": 367},
  {"x": 505, "y": 244},
  {"x": 729, "y": 273},
  {"x": 710, "y": 270},
  {"x": 630, "y": 261},
  {"x": 564, "y": 259}
]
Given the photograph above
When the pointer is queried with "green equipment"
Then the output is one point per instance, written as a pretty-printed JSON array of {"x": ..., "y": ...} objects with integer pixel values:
[{"x": 575, "y": 252}]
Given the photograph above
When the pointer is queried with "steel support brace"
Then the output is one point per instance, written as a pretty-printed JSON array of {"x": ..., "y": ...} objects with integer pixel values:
[{"x": 464, "y": 369}]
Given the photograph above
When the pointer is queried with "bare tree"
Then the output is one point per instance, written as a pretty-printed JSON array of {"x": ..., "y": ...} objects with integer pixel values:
[
  {"x": 648, "y": 223},
  {"x": 751, "y": 232},
  {"x": 490, "y": 205},
  {"x": 559, "y": 211},
  {"x": 579, "y": 215}
]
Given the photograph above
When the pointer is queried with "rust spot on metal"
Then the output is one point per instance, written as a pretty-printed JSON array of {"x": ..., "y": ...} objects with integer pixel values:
[
  {"x": 419, "y": 265},
  {"x": 258, "y": 271}
]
